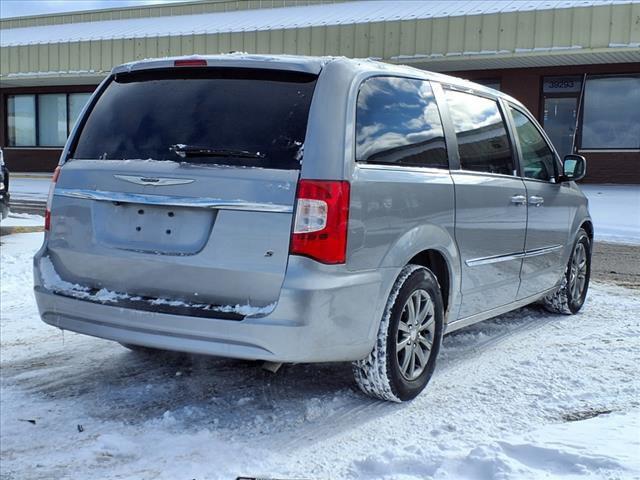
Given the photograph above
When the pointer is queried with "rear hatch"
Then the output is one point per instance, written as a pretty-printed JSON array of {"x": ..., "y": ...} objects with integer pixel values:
[{"x": 181, "y": 184}]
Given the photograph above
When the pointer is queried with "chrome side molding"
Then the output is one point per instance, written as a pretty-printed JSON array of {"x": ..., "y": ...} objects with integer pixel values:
[
  {"x": 172, "y": 201},
  {"x": 479, "y": 317},
  {"x": 474, "y": 262}
]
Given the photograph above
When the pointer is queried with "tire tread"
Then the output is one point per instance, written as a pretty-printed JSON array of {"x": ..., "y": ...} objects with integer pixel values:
[{"x": 371, "y": 374}]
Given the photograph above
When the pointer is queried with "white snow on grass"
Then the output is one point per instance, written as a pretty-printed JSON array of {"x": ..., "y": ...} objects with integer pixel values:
[
  {"x": 512, "y": 398},
  {"x": 615, "y": 210},
  {"x": 29, "y": 188},
  {"x": 23, "y": 220}
]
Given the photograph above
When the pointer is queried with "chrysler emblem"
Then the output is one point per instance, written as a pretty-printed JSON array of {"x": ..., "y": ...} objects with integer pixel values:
[{"x": 158, "y": 182}]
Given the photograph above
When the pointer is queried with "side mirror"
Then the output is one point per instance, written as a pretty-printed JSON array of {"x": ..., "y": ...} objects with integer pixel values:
[{"x": 574, "y": 167}]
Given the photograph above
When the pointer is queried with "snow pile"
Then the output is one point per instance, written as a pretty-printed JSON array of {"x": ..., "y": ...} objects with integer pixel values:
[
  {"x": 588, "y": 449},
  {"x": 524, "y": 396},
  {"x": 581, "y": 449}
]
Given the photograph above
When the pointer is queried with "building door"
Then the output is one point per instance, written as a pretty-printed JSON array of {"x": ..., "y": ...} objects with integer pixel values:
[
  {"x": 560, "y": 96},
  {"x": 560, "y": 122}
]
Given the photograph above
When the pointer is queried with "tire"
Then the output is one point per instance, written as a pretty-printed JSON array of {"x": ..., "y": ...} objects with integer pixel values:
[
  {"x": 387, "y": 373},
  {"x": 570, "y": 297}
]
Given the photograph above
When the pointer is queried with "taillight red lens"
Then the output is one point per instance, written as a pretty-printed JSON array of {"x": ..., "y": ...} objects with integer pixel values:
[
  {"x": 191, "y": 62},
  {"x": 321, "y": 221},
  {"x": 47, "y": 212}
]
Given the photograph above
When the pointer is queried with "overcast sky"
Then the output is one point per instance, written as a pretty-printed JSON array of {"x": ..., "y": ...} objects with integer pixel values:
[{"x": 17, "y": 8}]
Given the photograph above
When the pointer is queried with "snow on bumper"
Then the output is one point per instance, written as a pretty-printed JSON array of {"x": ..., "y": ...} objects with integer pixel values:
[{"x": 320, "y": 316}]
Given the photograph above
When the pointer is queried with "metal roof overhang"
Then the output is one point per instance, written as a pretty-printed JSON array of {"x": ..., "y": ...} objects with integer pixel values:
[
  {"x": 451, "y": 63},
  {"x": 526, "y": 60}
]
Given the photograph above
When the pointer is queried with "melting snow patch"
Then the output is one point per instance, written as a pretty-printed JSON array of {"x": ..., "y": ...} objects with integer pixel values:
[
  {"x": 586, "y": 449},
  {"x": 52, "y": 280},
  {"x": 246, "y": 310}
]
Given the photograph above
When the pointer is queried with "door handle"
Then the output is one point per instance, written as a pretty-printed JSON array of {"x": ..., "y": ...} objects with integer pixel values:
[
  {"x": 536, "y": 201},
  {"x": 518, "y": 199}
]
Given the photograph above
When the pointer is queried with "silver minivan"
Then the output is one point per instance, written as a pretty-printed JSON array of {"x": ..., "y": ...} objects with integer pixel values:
[{"x": 301, "y": 209}]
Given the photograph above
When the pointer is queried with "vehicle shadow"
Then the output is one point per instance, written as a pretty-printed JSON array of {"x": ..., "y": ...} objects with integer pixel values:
[{"x": 109, "y": 383}]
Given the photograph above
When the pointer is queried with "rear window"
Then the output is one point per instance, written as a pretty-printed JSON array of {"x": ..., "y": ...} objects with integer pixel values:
[
  {"x": 239, "y": 117},
  {"x": 398, "y": 123}
]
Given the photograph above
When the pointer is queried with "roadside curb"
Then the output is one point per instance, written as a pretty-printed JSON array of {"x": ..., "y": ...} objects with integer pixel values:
[{"x": 34, "y": 175}]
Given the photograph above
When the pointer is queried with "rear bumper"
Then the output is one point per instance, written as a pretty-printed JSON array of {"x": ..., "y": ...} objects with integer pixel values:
[{"x": 323, "y": 314}]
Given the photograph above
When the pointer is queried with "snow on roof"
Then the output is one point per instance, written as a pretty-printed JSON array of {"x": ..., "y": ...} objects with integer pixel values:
[{"x": 277, "y": 18}]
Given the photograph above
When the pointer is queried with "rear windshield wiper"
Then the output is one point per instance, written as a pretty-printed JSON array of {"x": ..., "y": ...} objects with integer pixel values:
[{"x": 195, "y": 151}]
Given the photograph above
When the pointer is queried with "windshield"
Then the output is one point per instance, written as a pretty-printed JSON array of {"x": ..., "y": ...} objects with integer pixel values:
[{"x": 145, "y": 115}]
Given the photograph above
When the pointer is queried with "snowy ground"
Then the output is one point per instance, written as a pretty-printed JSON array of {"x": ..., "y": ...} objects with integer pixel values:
[
  {"x": 615, "y": 210},
  {"x": 15, "y": 219},
  {"x": 29, "y": 187},
  {"x": 526, "y": 396}
]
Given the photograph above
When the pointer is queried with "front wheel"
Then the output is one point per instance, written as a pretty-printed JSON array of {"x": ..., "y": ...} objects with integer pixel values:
[
  {"x": 570, "y": 297},
  {"x": 404, "y": 355}
]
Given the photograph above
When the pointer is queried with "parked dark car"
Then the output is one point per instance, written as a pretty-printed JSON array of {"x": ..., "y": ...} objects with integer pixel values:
[{"x": 4, "y": 188}]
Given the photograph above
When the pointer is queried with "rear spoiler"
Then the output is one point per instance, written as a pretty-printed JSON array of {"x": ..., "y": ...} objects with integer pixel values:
[{"x": 292, "y": 63}]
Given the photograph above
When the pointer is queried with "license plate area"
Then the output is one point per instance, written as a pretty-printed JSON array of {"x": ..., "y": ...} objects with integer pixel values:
[{"x": 153, "y": 229}]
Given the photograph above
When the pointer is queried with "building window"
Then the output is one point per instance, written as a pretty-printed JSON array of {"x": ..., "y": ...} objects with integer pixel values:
[
  {"x": 611, "y": 116},
  {"x": 77, "y": 101},
  {"x": 489, "y": 82},
  {"x": 21, "y": 120},
  {"x": 42, "y": 120},
  {"x": 52, "y": 120}
]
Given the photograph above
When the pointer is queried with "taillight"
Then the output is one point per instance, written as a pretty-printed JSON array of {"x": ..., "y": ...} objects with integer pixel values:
[
  {"x": 47, "y": 212},
  {"x": 320, "y": 224}
]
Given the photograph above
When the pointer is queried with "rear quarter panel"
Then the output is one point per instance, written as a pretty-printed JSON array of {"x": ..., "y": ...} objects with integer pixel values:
[{"x": 397, "y": 213}]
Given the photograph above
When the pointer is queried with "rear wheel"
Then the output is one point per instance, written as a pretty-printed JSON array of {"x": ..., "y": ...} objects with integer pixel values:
[
  {"x": 404, "y": 356},
  {"x": 570, "y": 297}
]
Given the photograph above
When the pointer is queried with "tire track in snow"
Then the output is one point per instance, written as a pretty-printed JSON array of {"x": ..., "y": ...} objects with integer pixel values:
[{"x": 456, "y": 358}]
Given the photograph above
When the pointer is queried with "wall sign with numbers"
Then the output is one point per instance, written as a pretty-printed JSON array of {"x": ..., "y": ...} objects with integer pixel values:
[{"x": 562, "y": 84}]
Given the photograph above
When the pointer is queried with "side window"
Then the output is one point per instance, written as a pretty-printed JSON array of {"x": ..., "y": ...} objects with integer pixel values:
[
  {"x": 537, "y": 157},
  {"x": 483, "y": 143},
  {"x": 398, "y": 123}
]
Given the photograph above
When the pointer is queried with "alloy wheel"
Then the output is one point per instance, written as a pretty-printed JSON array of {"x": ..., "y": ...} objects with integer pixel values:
[
  {"x": 416, "y": 331},
  {"x": 578, "y": 274}
]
